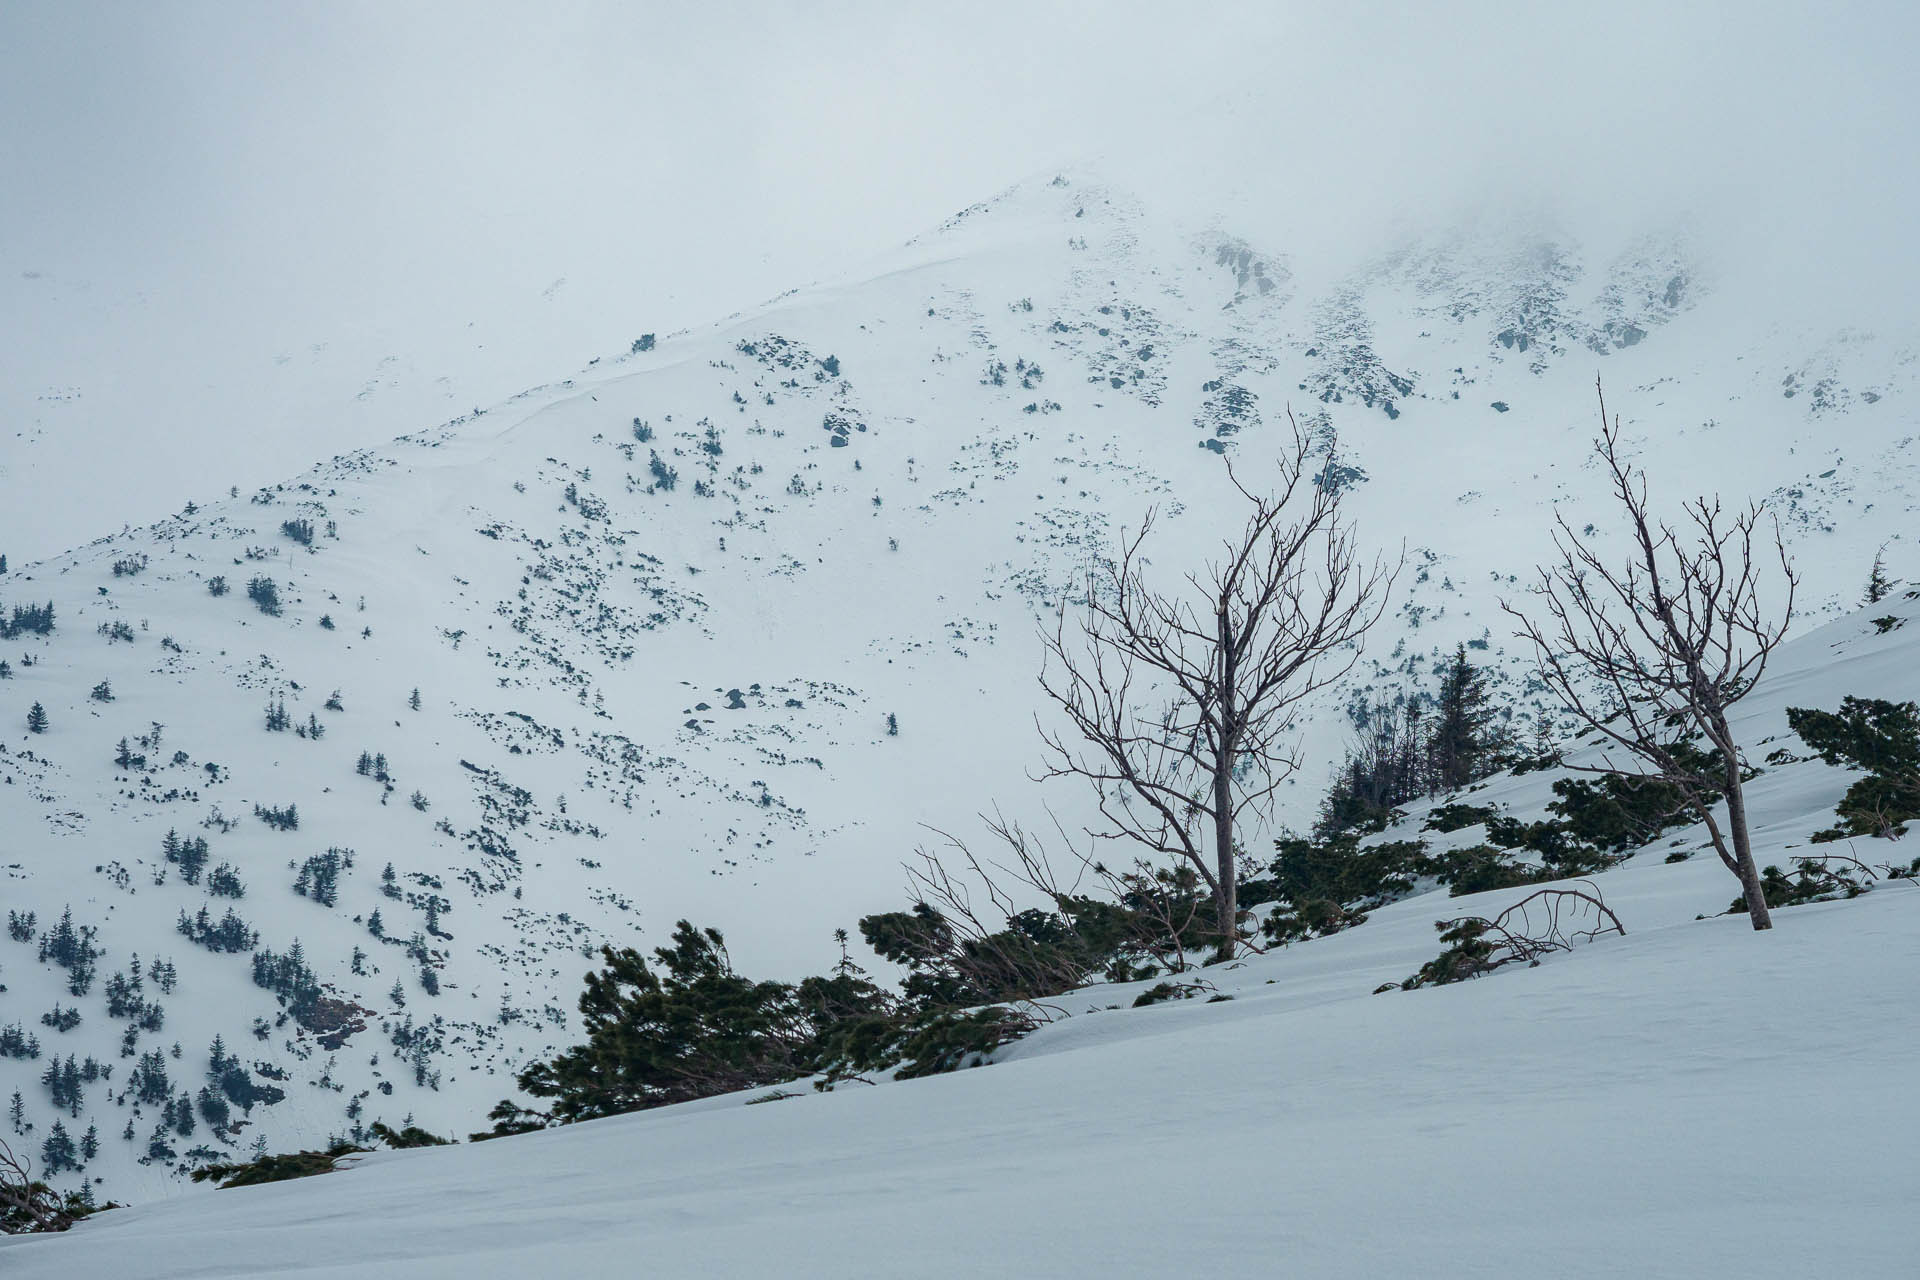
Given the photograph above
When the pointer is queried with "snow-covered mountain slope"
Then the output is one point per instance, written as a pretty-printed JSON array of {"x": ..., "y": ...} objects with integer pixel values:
[
  {"x": 1642, "y": 1105},
  {"x": 733, "y": 685}
]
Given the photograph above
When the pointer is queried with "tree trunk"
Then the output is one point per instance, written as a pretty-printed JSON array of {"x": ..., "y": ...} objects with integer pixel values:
[
  {"x": 1226, "y": 893},
  {"x": 1743, "y": 848},
  {"x": 1227, "y": 896}
]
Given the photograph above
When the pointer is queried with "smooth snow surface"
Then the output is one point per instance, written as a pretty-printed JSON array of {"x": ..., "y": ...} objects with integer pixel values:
[{"x": 1694, "y": 1100}]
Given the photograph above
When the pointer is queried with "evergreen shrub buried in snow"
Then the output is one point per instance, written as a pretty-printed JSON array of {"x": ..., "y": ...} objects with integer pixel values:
[
  {"x": 1455, "y": 817},
  {"x": 264, "y": 594},
  {"x": 1326, "y": 886},
  {"x": 1542, "y": 923},
  {"x": 276, "y": 1168},
  {"x": 687, "y": 1026},
  {"x": 1880, "y": 737}
]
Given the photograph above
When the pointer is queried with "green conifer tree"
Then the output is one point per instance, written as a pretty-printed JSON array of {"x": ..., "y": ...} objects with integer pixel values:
[
  {"x": 1877, "y": 585},
  {"x": 57, "y": 1153},
  {"x": 1462, "y": 747}
]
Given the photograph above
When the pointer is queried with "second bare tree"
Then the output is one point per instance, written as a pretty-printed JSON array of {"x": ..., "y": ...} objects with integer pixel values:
[{"x": 1653, "y": 652}]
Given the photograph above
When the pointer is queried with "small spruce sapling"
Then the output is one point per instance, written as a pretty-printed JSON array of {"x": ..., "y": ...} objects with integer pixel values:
[{"x": 1877, "y": 584}]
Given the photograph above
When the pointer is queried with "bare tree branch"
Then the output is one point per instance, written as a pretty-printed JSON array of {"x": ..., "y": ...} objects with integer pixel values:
[
  {"x": 1183, "y": 703},
  {"x": 27, "y": 1205}
]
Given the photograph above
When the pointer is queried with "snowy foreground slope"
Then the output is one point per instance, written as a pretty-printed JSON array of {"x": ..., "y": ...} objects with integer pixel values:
[
  {"x": 712, "y": 629},
  {"x": 1689, "y": 1101},
  {"x": 1692, "y": 1099}
]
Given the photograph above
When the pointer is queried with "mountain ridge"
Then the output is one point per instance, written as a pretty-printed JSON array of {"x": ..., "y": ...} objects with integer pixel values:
[{"x": 734, "y": 685}]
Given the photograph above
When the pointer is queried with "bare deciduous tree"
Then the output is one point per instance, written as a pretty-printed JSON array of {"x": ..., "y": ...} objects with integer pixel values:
[
  {"x": 1653, "y": 653},
  {"x": 1184, "y": 700}
]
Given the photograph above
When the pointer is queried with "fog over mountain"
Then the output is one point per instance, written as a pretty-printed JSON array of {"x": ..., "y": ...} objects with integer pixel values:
[{"x": 236, "y": 238}]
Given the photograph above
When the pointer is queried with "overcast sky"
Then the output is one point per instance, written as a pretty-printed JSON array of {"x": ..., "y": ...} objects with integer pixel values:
[{"x": 199, "y": 195}]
